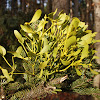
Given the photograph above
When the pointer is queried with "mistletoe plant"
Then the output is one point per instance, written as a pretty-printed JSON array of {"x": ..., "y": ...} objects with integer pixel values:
[{"x": 46, "y": 52}]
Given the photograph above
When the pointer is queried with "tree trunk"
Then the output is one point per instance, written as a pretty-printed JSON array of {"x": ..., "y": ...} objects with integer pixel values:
[
  {"x": 97, "y": 26},
  {"x": 49, "y": 6},
  {"x": 42, "y": 5},
  {"x": 2, "y": 6},
  {"x": 87, "y": 12},
  {"x": 92, "y": 11},
  {"x": 61, "y": 5},
  {"x": 71, "y": 9},
  {"x": 23, "y": 5},
  {"x": 14, "y": 7},
  {"x": 76, "y": 3}
]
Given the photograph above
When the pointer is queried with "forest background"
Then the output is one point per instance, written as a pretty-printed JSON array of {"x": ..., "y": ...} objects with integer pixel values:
[{"x": 16, "y": 12}]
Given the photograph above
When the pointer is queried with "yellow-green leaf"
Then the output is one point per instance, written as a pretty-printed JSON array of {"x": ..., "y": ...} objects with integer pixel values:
[
  {"x": 42, "y": 24},
  {"x": 17, "y": 53},
  {"x": 19, "y": 37},
  {"x": 43, "y": 65},
  {"x": 26, "y": 28},
  {"x": 2, "y": 50},
  {"x": 55, "y": 52},
  {"x": 85, "y": 66},
  {"x": 65, "y": 63},
  {"x": 94, "y": 72},
  {"x": 70, "y": 41},
  {"x": 6, "y": 74},
  {"x": 95, "y": 57},
  {"x": 53, "y": 29},
  {"x": 55, "y": 12},
  {"x": 41, "y": 73},
  {"x": 74, "y": 24},
  {"x": 78, "y": 72},
  {"x": 45, "y": 41},
  {"x": 46, "y": 48},
  {"x": 81, "y": 24},
  {"x": 19, "y": 49},
  {"x": 36, "y": 16},
  {"x": 85, "y": 52},
  {"x": 87, "y": 38},
  {"x": 62, "y": 19},
  {"x": 77, "y": 52},
  {"x": 85, "y": 27}
]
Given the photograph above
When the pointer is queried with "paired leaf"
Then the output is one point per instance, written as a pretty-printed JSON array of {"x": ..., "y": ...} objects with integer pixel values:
[
  {"x": 43, "y": 65},
  {"x": 65, "y": 63},
  {"x": 17, "y": 53},
  {"x": 6, "y": 74}
]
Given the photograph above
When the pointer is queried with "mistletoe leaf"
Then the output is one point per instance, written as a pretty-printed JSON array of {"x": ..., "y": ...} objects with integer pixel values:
[
  {"x": 65, "y": 63},
  {"x": 94, "y": 72},
  {"x": 36, "y": 16},
  {"x": 70, "y": 41},
  {"x": 26, "y": 28},
  {"x": 78, "y": 71},
  {"x": 19, "y": 49},
  {"x": 6, "y": 74},
  {"x": 2, "y": 51},
  {"x": 19, "y": 37},
  {"x": 85, "y": 52},
  {"x": 43, "y": 65}
]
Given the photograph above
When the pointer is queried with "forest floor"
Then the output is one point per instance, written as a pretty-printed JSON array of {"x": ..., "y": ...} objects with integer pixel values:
[{"x": 67, "y": 96}]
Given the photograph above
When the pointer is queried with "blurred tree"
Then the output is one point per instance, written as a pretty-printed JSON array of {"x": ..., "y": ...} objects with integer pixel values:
[
  {"x": 61, "y": 5},
  {"x": 71, "y": 9},
  {"x": 2, "y": 6},
  {"x": 87, "y": 12},
  {"x": 23, "y": 5},
  {"x": 97, "y": 26},
  {"x": 42, "y": 5},
  {"x": 82, "y": 7},
  {"x": 14, "y": 7},
  {"x": 49, "y": 6},
  {"x": 76, "y": 5}
]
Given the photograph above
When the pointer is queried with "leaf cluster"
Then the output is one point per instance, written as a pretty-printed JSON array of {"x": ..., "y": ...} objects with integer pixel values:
[{"x": 47, "y": 52}]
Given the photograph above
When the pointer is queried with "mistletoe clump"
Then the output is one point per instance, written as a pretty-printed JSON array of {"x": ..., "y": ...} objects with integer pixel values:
[{"x": 48, "y": 55}]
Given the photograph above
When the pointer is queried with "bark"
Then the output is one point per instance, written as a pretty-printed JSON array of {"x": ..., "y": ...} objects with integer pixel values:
[
  {"x": 76, "y": 3},
  {"x": 87, "y": 12},
  {"x": 14, "y": 7},
  {"x": 42, "y": 5},
  {"x": 61, "y": 5},
  {"x": 49, "y": 6},
  {"x": 23, "y": 5},
  {"x": 82, "y": 10},
  {"x": 97, "y": 26},
  {"x": 71, "y": 9},
  {"x": 92, "y": 11},
  {"x": 2, "y": 6}
]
